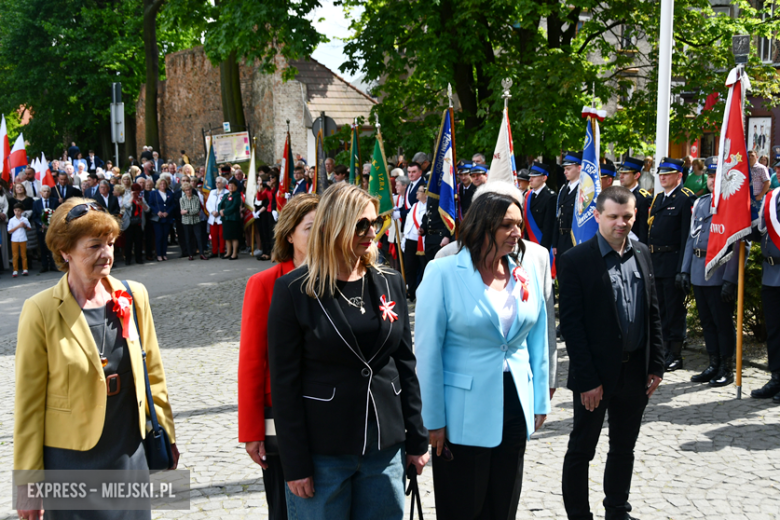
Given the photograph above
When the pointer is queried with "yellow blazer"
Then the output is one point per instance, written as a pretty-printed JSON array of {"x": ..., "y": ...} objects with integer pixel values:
[{"x": 60, "y": 384}]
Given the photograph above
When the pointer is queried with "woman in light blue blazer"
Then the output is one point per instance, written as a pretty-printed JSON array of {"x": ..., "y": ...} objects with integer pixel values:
[{"x": 481, "y": 346}]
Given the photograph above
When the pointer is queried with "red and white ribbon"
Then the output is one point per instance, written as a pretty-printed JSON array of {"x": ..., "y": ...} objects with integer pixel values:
[
  {"x": 123, "y": 306},
  {"x": 521, "y": 277},
  {"x": 387, "y": 309},
  {"x": 592, "y": 112}
]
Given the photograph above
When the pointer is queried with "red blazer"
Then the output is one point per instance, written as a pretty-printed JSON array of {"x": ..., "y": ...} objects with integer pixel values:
[{"x": 254, "y": 381}]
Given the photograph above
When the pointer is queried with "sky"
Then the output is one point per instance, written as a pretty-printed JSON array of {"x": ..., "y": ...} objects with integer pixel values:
[{"x": 334, "y": 25}]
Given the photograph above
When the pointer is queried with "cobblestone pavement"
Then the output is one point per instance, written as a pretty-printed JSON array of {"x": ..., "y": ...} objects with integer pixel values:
[{"x": 701, "y": 453}]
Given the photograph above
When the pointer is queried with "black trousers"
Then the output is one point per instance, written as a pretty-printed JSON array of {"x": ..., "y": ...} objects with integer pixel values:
[
  {"x": 771, "y": 299},
  {"x": 134, "y": 237},
  {"x": 193, "y": 235},
  {"x": 266, "y": 228},
  {"x": 47, "y": 261},
  {"x": 671, "y": 301},
  {"x": 717, "y": 320},
  {"x": 432, "y": 246},
  {"x": 414, "y": 265},
  {"x": 484, "y": 483},
  {"x": 626, "y": 406}
]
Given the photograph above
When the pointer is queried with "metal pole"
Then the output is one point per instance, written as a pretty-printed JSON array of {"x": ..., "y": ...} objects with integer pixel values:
[
  {"x": 664, "y": 86},
  {"x": 116, "y": 154},
  {"x": 740, "y": 315}
]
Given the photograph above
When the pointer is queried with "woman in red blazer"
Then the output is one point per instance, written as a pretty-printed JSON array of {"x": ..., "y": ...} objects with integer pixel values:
[{"x": 255, "y": 416}]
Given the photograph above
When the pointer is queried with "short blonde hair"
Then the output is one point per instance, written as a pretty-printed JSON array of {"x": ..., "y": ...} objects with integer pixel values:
[
  {"x": 127, "y": 176},
  {"x": 289, "y": 218},
  {"x": 185, "y": 185},
  {"x": 134, "y": 171},
  {"x": 120, "y": 189},
  {"x": 187, "y": 169},
  {"x": 62, "y": 236},
  {"x": 162, "y": 179},
  {"x": 333, "y": 231},
  {"x": 115, "y": 170}
]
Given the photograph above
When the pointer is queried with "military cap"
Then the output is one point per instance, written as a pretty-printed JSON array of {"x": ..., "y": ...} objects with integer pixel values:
[
  {"x": 464, "y": 167},
  {"x": 523, "y": 175},
  {"x": 631, "y": 164},
  {"x": 608, "y": 169},
  {"x": 777, "y": 159},
  {"x": 538, "y": 169},
  {"x": 712, "y": 164},
  {"x": 478, "y": 168},
  {"x": 572, "y": 158},
  {"x": 669, "y": 165}
]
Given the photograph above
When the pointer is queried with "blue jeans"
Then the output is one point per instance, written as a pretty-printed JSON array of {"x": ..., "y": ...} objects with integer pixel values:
[
  {"x": 161, "y": 231},
  {"x": 364, "y": 487}
]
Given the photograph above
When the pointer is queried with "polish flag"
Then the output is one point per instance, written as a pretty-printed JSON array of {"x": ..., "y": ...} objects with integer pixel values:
[
  {"x": 730, "y": 206},
  {"x": 17, "y": 160},
  {"x": 5, "y": 151},
  {"x": 47, "y": 179}
]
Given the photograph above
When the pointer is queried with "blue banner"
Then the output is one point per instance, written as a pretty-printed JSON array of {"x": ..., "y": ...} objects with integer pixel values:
[
  {"x": 584, "y": 225},
  {"x": 441, "y": 184},
  {"x": 211, "y": 170}
]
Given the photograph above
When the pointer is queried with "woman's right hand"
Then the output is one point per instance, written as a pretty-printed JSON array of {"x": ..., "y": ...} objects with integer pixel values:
[
  {"x": 256, "y": 450},
  {"x": 303, "y": 488},
  {"x": 184, "y": 212},
  {"x": 438, "y": 437}
]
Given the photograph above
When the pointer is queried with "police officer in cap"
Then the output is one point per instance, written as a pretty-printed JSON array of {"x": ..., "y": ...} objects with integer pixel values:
[
  {"x": 607, "y": 173},
  {"x": 523, "y": 178},
  {"x": 540, "y": 202},
  {"x": 714, "y": 297},
  {"x": 465, "y": 189},
  {"x": 670, "y": 222},
  {"x": 630, "y": 171},
  {"x": 567, "y": 196},
  {"x": 770, "y": 291}
]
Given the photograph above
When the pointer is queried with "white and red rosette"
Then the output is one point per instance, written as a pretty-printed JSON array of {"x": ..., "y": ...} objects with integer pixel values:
[
  {"x": 521, "y": 277},
  {"x": 123, "y": 307},
  {"x": 387, "y": 309}
]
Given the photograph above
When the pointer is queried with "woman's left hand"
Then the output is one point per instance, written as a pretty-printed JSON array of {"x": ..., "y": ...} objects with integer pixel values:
[
  {"x": 175, "y": 453},
  {"x": 419, "y": 461},
  {"x": 539, "y": 421}
]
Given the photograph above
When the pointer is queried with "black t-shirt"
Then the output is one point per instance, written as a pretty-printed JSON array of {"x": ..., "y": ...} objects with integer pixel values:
[{"x": 365, "y": 327}]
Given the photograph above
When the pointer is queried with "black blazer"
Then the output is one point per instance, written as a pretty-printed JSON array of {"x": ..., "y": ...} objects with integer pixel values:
[
  {"x": 322, "y": 386},
  {"x": 70, "y": 192},
  {"x": 113, "y": 203},
  {"x": 38, "y": 210},
  {"x": 542, "y": 207},
  {"x": 589, "y": 320}
]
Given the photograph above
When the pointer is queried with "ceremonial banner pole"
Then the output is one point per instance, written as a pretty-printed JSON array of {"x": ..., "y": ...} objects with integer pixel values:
[
  {"x": 454, "y": 158},
  {"x": 740, "y": 315},
  {"x": 253, "y": 171}
]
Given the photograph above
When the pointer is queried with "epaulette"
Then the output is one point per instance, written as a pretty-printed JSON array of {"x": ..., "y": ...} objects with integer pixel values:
[
  {"x": 646, "y": 194},
  {"x": 688, "y": 192}
]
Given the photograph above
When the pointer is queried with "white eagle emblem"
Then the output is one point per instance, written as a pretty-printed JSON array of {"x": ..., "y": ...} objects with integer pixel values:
[{"x": 733, "y": 179}]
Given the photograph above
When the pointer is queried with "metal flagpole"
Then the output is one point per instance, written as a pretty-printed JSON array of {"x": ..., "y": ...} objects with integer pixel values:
[
  {"x": 454, "y": 159},
  {"x": 740, "y": 315},
  {"x": 664, "y": 86}
]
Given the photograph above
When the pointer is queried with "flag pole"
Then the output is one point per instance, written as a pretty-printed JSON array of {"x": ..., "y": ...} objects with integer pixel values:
[
  {"x": 740, "y": 315},
  {"x": 252, "y": 203},
  {"x": 454, "y": 158}
]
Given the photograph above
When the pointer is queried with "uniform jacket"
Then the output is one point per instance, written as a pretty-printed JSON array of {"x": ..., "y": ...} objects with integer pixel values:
[
  {"x": 461, "y": 352},
  {"x": 643, "y": 201},
  {"x": 157, "y": 205},
  {"x": 670, "y": 222},
  {"x": 771, "y": 273},
  {"x": 593, "y": 336},
  {"x": 564, "y": 213},
  {"x": 542, "y": 208},
  {"x": 61, "y": 392},
  {"x": 254, "y": 379},
  {"x": 323, "y": 385},
  {"x": 465, "y": 194},
  {"x": 698, "y": 238}
]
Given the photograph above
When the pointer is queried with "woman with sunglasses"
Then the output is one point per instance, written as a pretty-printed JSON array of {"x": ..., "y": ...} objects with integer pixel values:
[
  {"x": 80, "y": 388},
  {"x": 346, "y": 397},
  {"x": 483, "y": 361}
]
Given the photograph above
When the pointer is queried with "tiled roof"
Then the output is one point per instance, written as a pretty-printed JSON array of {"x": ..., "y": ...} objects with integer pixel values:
[{"x": 328, "y": 92}]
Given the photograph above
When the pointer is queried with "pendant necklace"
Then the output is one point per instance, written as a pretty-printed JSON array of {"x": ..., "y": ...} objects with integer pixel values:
[
  {"x": 103, "y": 358},
  {"x": 357, "y": 301}
]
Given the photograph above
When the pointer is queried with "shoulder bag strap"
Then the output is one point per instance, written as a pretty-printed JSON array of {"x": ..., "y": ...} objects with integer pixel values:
[{"x": 149, "y": 399}]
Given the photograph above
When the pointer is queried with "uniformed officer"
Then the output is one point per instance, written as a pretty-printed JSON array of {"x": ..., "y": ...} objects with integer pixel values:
[
  {"x": 522, "y": 180},
  {"x": 670, "y": 221},
  {"x": 465, "y": 189},
  {"x": 607, "y": 174},
  {"x": 714, "y": 297},
  {"x": 567, "y": 196},
  {"x": 769, "y": 227},
  {"x": 629, "y": 172},
  {"x": 540, "y": 205},
  {"x": 436, "y": 233}
]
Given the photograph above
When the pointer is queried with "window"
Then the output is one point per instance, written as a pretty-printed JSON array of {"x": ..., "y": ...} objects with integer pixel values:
[
  {"x": 627, "y": 38},
  {"x": 767, "y": 47}
]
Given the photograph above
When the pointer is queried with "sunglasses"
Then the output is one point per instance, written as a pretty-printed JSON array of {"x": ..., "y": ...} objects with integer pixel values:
[
  {"x": 363, "y": 225},
  {"x": 81, "y": 210}
]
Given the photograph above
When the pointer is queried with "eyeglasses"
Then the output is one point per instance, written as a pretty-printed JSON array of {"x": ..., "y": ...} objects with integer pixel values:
[
  {"x": 363, "y": 225},
  {"x": 81, "y": 210}
]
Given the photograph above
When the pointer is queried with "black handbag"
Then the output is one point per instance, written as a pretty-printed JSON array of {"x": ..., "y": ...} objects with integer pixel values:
[
  {"x": 157, "y": 444},
  {"x": 414, "y": 490}
]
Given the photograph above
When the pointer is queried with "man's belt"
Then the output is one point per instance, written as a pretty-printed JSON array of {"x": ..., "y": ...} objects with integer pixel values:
[
  {"x": 700, "y": 253},
  {"x": 663, "y": 249},
  {"x": 772, "y": 260},
  {"x": 438, "y": 232},
  {"x": 564, "y": 231}
]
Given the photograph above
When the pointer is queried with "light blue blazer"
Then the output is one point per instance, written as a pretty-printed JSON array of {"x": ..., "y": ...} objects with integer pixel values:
[{"x": 460, "y": 352}]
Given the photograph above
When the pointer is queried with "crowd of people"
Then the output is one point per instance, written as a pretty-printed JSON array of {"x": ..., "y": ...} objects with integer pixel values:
[{"x": 336, "y": 429}]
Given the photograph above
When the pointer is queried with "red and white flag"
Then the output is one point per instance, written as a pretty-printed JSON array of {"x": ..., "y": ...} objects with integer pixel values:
[
  {"x": 730, "y": 206},
  {"x": 17, "y": 160},
  {"x": 5, "y": 152},
  {"x": 47, "y": 179}
]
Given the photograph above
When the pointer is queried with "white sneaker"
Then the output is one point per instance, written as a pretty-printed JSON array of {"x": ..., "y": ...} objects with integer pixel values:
[
  {"x": 16, "y": 273},
  {"x": 24, "y": 273}
]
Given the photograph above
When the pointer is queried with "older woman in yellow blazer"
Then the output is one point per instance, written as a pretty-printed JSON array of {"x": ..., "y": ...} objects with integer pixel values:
[{"x": 80, "y": 389}]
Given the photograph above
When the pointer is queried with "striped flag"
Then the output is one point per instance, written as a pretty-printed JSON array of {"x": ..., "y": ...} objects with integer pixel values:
[
  {"x": 503, "y": 168},
  {"x": 441, "y": 184},
  {"x": 584, "y": 225},
  {"x": 17, "y": 160},
  {"x": 5, "y": 152}
]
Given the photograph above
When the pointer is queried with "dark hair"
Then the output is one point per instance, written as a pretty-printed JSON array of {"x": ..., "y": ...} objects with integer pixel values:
[
  {"x": 234, "y": 182},
  {"x": 340, "y": 170},
  {"x": 617, "y": 194},
  {"x": 300, "y": 169},
  {"x": 19, "y": 206},
  {"x": 264, "y": 168},
  {"x": 483, "y": 219},
  {"x": 413, "y": 163}
]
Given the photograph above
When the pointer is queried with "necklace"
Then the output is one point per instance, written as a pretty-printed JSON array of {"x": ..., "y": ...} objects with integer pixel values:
[
  {"x": 357, "y": 301},
  {"x": 103, "y": 358}
]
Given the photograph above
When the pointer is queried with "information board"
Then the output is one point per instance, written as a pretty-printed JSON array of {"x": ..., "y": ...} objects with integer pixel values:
[{"x": 230, "y": 148}]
